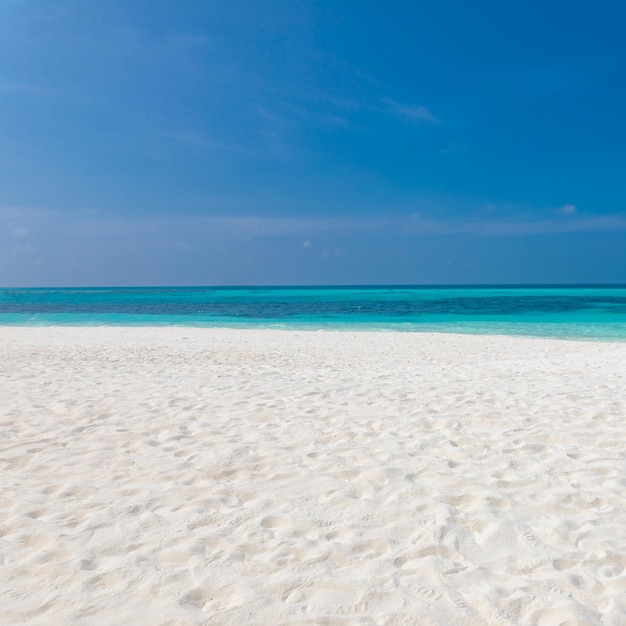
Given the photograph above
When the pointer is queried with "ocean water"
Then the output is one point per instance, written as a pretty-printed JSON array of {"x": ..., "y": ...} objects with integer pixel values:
[{"x": 578, "y": 312}]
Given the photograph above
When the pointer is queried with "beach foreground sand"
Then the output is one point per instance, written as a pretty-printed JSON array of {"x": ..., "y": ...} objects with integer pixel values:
[{"x": 204, "y": 476}]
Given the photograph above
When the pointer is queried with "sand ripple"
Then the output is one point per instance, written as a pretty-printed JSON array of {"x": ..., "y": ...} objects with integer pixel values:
[{"x": 195, "y": 476}]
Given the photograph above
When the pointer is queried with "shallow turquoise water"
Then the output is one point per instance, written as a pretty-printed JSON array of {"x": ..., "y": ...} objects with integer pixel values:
[{"x": 593, "y": 312}]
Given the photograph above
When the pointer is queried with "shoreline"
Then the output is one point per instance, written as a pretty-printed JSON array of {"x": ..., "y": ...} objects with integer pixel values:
[
  {"x": 316, "y": 329},
  {"x": 200, "y": 475}
]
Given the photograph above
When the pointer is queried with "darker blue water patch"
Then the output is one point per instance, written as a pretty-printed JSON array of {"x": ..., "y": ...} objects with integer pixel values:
[{"x": 582, "y": 311}]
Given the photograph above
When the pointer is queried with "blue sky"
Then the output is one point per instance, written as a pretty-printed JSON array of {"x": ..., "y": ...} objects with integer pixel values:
[{"x": 301, "y": 142}]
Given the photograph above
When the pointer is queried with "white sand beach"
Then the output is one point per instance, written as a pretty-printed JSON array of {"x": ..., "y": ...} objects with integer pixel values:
[{"x": 208, "y": 476}]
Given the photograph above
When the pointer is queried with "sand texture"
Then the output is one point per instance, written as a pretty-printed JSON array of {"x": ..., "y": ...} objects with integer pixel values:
[{"x": 205, "y": 476}]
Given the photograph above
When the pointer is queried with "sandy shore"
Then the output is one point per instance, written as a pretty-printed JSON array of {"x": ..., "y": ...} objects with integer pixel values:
[{"x": 196, "y": 476}]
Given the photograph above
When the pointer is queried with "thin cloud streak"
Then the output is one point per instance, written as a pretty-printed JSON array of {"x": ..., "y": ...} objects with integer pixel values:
[
  {"x": 27, "y": 89},
  {"x": 95, "y": 248},
  {"x": 410, "y": 112},
  {"x": 88, "y": 224},
  {"x": 284, "y": 226}
]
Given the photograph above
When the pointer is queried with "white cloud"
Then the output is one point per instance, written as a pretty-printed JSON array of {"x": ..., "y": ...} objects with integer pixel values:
[
  {"x": 333, "y": 253},
  {"x": 307, "y": 244},
  {"x": 454, "y": 148},
  {"x": 27, "y": 89},
  {"x": 410, "y": 112},
  {"x": 20, "y": 232},
  {"x": 191, "y": 40},
  {"x": 568, "y": 209},
  {"x": 24, "y": 249}
]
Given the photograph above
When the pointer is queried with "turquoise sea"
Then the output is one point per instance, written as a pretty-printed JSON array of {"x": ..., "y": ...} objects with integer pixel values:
[{"x": 580, "y": 312}]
